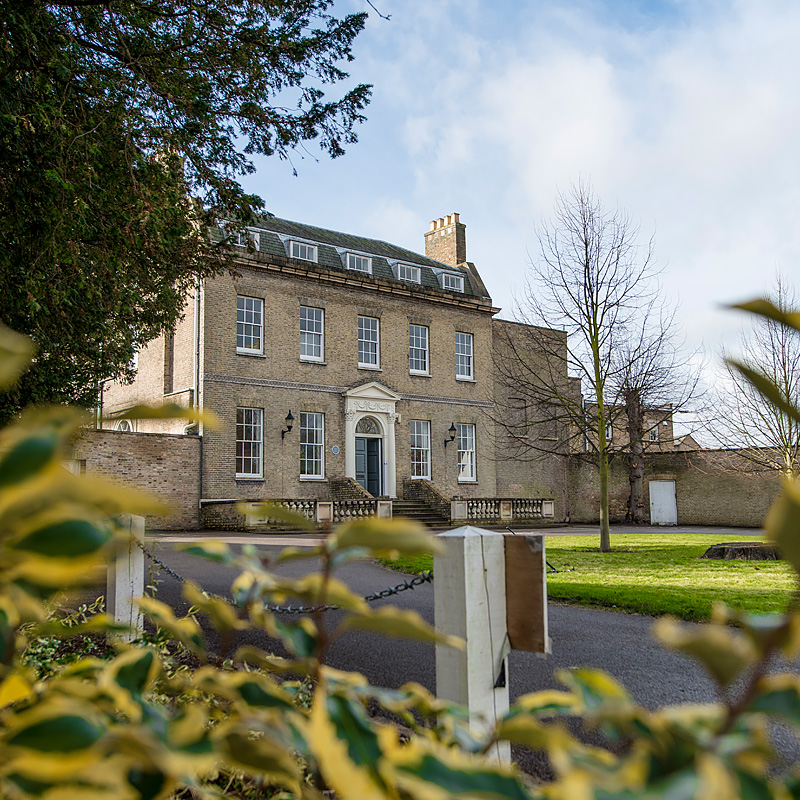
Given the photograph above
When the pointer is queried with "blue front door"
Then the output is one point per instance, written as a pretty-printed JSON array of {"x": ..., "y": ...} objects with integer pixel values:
[{"x": 368, "y": 464}]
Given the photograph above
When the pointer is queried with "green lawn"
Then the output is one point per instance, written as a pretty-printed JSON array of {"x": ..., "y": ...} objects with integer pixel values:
[{"x": 655, "y": 574}]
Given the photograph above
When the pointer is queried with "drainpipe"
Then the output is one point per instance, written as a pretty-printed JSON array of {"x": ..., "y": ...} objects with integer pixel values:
[{"x": 196, "y": 387}]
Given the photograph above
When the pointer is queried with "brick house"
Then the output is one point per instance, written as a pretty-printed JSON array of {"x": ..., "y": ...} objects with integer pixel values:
[{"x": 340, "y": 367}]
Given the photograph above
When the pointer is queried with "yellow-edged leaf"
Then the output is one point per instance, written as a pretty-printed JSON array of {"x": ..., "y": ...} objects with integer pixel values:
[
  {"x": 399, "y": 623},
  {"x": 172, "y": 411},
  {"x": 782, "y": 524},
  {"x": 16, "y": 352},
  {"x": 384, "y": 536},
  {"x": 725, "y": 653},
  {"x": 14, "y": 687}
]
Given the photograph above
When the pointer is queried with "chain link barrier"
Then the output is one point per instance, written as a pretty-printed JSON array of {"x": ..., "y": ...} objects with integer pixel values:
[{"x": 411, "y": 583}]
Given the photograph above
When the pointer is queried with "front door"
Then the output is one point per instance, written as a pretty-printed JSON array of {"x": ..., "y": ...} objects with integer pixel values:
[
  {"x": 663, "y": 503},
  {"x": 368, "y": 464}
]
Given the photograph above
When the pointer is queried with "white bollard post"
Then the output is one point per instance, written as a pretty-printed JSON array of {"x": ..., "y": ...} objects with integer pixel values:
[
  {"x": 125, "y": 581},
  {"x": 470, "y": 602}
]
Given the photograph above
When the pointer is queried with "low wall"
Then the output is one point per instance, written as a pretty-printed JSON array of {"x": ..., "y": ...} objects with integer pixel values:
[
  {"x": 166, "y": 466},
  {"x": 712, "y": 487}
]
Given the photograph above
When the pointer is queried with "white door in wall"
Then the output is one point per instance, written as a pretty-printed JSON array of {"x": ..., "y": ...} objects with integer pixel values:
[{"x": 663, "y": 503}]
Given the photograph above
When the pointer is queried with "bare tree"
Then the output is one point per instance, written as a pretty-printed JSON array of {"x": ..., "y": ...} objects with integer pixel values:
[
  {"x": 612, "y": 365},
  {"x": 768, "y": 437}
]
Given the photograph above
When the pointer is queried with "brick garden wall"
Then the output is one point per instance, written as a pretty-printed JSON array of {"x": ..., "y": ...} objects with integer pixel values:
[
  {"x": 166, "y": 466},
  {"x": 713, "y": 487}
]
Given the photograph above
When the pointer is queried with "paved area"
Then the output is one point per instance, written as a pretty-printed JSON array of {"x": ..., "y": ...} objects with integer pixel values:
[{"x": 314, "y": 539}]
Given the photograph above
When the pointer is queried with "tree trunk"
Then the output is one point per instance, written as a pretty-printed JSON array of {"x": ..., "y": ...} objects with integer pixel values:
[
  {"x": 635, "y": 418},
  {"x": 605, "y": 531}
]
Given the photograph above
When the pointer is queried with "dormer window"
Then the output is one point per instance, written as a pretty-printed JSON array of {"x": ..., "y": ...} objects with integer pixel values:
[
  {"x": 455, "y": 283},
  {"x": 405, "y": 272},
  {"x": 306, "y": 252},
  {"x": 253, "y": 236},
  {"x": 359, "y": 263}
]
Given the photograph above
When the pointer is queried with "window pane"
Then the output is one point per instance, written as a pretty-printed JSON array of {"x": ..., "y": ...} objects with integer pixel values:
[
  {"x": 312, "y": 440},
  {"x": 466, "y": 452},
  {"x": 360, "y": 263},
  {"x": 368, "y": 333},
  {"x": 311, "y": 332},
  {"x": 464, "y": 355},
  {"x": 249, "y": 323},
  {"x": 453, "y": 282},
  {"x": 408, "y": 273},
  {"x": 418, "y": 348},
  {"x": 248, "y": 441},
  {"x": 420, "y": 448},
  {"x": 308, "y": 252}
]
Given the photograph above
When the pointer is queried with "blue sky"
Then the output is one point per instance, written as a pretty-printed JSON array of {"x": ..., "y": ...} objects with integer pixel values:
[{"x": 684, "y": 113}]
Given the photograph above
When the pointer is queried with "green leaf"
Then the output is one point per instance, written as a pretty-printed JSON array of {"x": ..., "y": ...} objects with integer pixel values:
[
  {"x": 213, "y": 550},
  {"x": 134, "y": 671},
  {"x": 185, "y": 630},
  {"x": 767, "y": 389},
  {"x": 765, "y": 308},
  {"x": 149, "y": 784},
  {"x": 16, "y": 352},
  {"x": 277, "y": 513},
  {"x": 63, "y": 733},
  {"x": 398, "y": 623},
  {"x": 384, "y": 536},
  {"x": 594, "y": 687},
  {"x": 477, "y": 780},
  {"x": 354, "y": 728},
  {"x": 65, "y": 539},
  {"x": 261, "y": 755},
  {"x": 341, "y": 557},
  {"x": 300, "y": 638},
  {"x": 725, "y": 653},
  {"x": 27, "y": 458},
  {"x": 778, "y": 696},
  {"x": 782, "y": 524}
]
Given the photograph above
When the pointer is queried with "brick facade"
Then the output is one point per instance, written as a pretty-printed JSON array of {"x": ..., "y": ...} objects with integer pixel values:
[
  {"x": 164, "y": 466},
  {"x": 712, "y": 487}
]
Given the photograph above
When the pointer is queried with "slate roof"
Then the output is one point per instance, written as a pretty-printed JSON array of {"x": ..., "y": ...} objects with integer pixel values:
[{"x": 275, "y": 233}]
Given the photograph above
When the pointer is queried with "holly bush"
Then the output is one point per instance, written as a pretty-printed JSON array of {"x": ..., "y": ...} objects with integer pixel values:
[{"x": 246, "y": 723}]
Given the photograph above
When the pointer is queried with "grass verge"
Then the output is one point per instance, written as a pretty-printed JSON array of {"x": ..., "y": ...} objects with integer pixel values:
[{"x": 654, "y": 574}]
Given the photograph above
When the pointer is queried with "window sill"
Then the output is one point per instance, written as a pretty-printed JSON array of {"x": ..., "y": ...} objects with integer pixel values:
[
  {"x": 256, "y": 353},
  {"x": 312, "y": 478},
  {"x": 370, "y": 368},
  {"x": 414, "y": 374},
  {"x": 250, "y": 478},
  {"x": 467, "y": 480},
  {"x": 420, "y": 477},
  {"x": 465, "y": 380},
  {"x": 313, "y": 361}
]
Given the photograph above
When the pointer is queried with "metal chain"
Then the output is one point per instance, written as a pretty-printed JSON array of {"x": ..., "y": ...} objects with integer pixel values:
[{"x": 412, "y": 583}]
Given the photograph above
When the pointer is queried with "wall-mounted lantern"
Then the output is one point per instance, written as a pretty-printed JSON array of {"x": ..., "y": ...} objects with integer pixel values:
[
  {"x": 452, "y": 432},
  {"x": 289, "y": 423}
]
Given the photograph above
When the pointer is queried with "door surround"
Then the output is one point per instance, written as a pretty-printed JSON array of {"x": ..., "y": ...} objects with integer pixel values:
[{"x": 371, "y": 399}]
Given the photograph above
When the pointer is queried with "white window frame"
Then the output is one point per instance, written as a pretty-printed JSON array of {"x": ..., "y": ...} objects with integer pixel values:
[
  {"x": 359, "y": 263},
  {"x": 310, "y": 338},
  {"x": 303, "y": 251},
  {"x": 312, "y": 453},
  {"x": 410, "y": 273},
  {"x": 609, "y": 432},
  {"x": 412, "y": 348},
  {"x": 453, "y": 283},
  {"x": 652, "y": 435},
  {"x": 420, "y": 430},
  {"x": 465, "y": 437},
  {"x": 242, "y": 324},
  {"x": 465, "y": 361},
  {"x": 376, "y": 364},
  {"x": 250, "y": 431}
]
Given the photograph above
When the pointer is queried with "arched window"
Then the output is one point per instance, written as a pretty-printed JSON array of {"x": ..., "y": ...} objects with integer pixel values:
[
  {"x": 369, "y": 426},
  {"x": 124, "y": 426}
]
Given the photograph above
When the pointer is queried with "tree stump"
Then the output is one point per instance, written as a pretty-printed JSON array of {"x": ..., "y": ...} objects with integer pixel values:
[{"x": 747, "y": 551}]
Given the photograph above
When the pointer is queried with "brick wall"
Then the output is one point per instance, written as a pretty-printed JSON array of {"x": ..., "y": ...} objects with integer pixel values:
[
  {"x": 713, "y": 487},
  {"x": 165, "y": 466}
]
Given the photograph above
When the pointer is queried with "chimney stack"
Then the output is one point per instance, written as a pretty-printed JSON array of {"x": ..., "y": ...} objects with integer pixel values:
[{"x": 446, "y": 241}]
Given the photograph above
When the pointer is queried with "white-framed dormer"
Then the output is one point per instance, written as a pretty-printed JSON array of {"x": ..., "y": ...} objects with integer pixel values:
[
  {"x": 358, "y": 262},
  {"x": 451, "y": 282},
  {"x": 244, "y": 238},
  {"x": 299, "y": 248},
  {"x": 409, "y": 272}
]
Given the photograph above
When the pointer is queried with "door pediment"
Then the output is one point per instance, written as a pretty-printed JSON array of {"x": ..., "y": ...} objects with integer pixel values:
[{"x": 372, "y": 391}]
